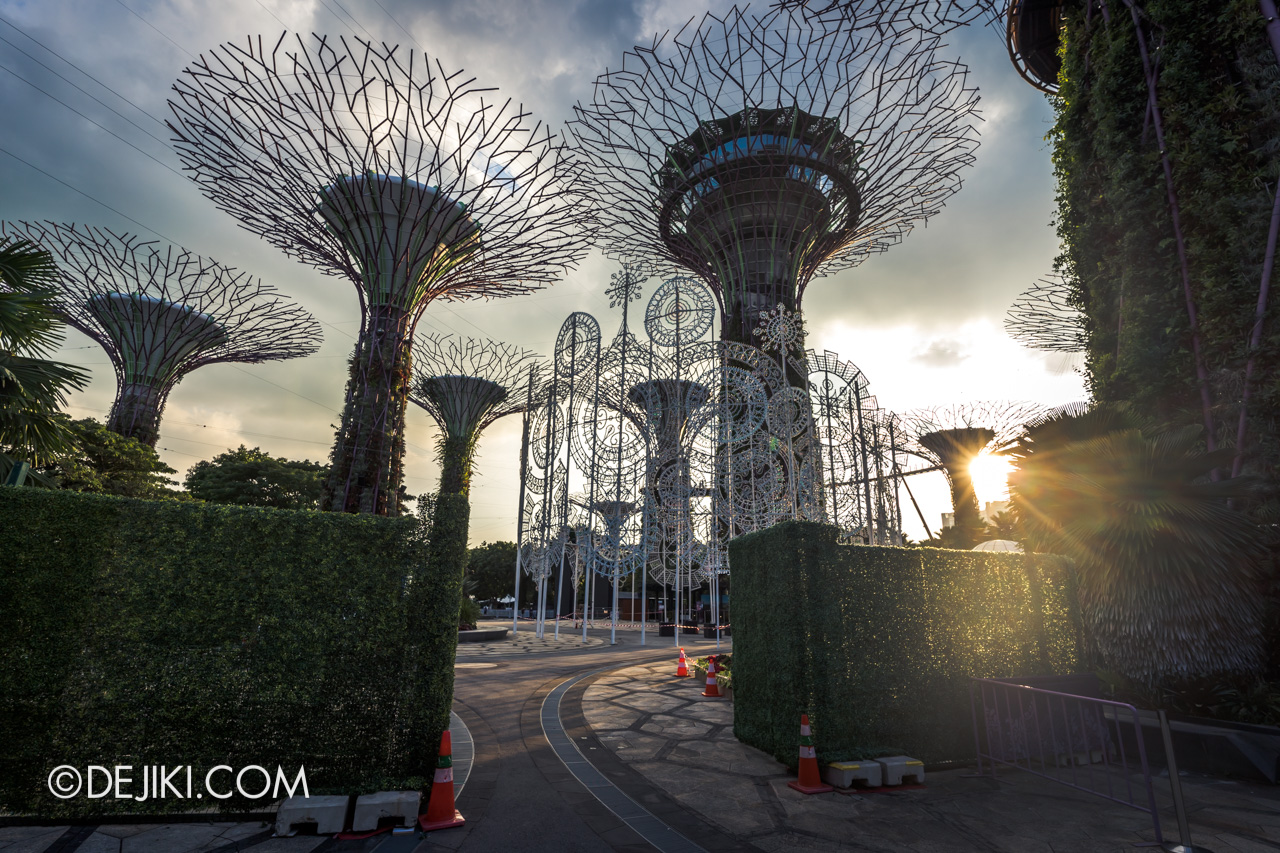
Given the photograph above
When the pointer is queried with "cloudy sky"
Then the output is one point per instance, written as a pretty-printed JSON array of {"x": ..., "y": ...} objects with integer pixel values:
[{"x": 84, "y": 85}]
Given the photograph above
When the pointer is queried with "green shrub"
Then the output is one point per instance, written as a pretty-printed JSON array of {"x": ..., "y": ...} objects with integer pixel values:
[
  {"x": 878, "y": 644},
  {"x": 163, "y": 633}
]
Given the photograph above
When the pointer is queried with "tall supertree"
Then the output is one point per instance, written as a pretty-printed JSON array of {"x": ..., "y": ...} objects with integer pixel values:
[
  {"x": 952, "y": 437},
  {"x": 159, "y": 313},
  {"x": 466, "y": 385},
  {"x": 761, "y": 151},
  {"x": 374, "y": 163}
]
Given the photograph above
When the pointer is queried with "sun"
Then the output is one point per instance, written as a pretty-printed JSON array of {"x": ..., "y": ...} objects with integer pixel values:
[{"x": 990, "y": 475}]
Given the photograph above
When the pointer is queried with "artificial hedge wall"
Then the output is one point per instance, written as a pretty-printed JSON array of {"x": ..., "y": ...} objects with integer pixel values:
[
  {"x": 877, "y": 644},
  {"x": 163, "y": 633}
]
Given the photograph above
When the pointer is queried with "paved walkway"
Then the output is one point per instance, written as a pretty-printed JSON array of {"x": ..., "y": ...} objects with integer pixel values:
[
  {"x": 526, "y": 642},
  {"x": 682, "y": 745},
  {"x": 600, "y": 748}
]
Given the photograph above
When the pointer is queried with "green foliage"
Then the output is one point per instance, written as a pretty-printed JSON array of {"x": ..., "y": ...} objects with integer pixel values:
[
  {"x": 256, "y": 478},
  {"x": 1217, "y": 86},
  {"x": 1169, "y": 572},
  {"x": 163, "y": 632},
  {"x": 1003, "y": 525},
  {"x": 107, "y": 463},
  {"x": 493, "y": 566},
  {"x": 32, "y": 388},
  {"x": 468, "y": 613},
  {"x": 878, "y": 644}
]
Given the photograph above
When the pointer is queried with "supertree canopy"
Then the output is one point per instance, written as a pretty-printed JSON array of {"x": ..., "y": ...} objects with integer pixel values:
[
  {"x": 375, "y": 164},
  {"x": 465, "y": 385},
  {"x": 1046, "y": 316},
  {"x": 951, "y": 437},
  {"x": 760, "y": 151},
  {"x": 161, "y": 313},
  {"x": 938, "y": 16}
]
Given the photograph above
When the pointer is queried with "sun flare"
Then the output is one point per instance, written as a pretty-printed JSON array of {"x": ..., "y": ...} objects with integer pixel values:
[{"x": 990, "y": 475}]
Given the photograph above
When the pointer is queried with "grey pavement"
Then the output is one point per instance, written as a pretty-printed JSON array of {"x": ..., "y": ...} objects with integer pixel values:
[
  {"x": 634, "y": 735},
  {"x": 681, "y": 743}
]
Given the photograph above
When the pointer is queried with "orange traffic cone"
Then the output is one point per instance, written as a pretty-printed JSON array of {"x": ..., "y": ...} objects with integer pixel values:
[
  {"x": 713, "y": 689},
  {"x": 810, "y": 782},
  {"x": 441, "y": 813},
  {"x": 682, "y": 669}
]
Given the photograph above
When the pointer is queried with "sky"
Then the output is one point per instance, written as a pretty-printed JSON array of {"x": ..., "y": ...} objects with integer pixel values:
[{"x": 83, "y": 89}]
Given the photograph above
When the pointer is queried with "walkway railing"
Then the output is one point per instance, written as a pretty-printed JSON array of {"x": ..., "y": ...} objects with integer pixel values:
[{"x": 1075, "y": 741}]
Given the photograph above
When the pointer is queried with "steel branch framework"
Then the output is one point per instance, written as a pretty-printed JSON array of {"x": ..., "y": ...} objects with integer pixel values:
[
  {"x": 161, "y": 312},
  {"x": 758, "y": 152},
  {"x": 374, "y": 163},
  {"x": 935, "y": 16},
  {"x": 953, "y": 436},
  {"x": 1047, "y": 316},
  {"x": 466, "y": 385}
]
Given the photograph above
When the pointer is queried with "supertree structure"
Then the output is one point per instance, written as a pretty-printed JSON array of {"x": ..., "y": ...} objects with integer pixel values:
[
  {"x": 934, "y": 16},
  {"x": 1032, "y": 31},
  {"x": 1183, "y": 327},
  {"x": 466, "y": 385},
  {"x": 952, "y": 437},
  {"x": 1046, "y": 317},
  {"x": 758, "y": 152},
  {"x": 159, "y": 313},
  {"x": 373, "y": 163}
]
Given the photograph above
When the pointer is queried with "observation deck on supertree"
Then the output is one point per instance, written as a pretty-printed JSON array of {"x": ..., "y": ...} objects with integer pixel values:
[
  {"x": 761, "y": 151},
  {"x": 375, "y": 164},
  {"x": 160, "y": 314}
]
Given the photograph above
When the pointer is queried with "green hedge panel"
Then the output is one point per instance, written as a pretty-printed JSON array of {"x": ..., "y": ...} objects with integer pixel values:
[
  {"x": 878, "y": 644},
  {"x": 165, "y": 633}
]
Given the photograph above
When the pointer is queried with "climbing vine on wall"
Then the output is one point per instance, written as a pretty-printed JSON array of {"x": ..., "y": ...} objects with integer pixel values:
[{"x": 1217, "y": 90}]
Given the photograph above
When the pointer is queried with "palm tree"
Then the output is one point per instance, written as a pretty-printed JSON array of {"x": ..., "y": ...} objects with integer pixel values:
[
  {"x": 1168, "y": 571},
  {"x": 32, "y": 388}
]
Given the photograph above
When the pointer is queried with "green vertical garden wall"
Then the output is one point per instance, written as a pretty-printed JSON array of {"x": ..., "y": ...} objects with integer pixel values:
[
  {"x": 166, "y": 633},
  {"x": 877, "y": 644}
]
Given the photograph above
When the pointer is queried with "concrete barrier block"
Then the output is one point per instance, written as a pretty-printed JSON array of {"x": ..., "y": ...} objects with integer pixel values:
[
  {"x": 899, "y": 769},
  {"x": 372, "y": 808},
  {"x": 846, "y": 774},
  {"x": 329, "y": 814}
]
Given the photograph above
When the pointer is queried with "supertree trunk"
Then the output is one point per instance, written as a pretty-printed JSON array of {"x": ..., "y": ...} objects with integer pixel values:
[
  {"x": 367, "y": 465},
  {"x": 137, "y": 411},
  {"x": 456, "y": 458}
]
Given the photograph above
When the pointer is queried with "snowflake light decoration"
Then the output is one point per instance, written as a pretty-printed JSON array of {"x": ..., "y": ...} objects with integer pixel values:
[{"x": 780, "y": 330}]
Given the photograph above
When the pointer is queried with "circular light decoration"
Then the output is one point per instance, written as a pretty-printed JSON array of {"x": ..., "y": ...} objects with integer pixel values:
[{"x": 679, "y": 312}]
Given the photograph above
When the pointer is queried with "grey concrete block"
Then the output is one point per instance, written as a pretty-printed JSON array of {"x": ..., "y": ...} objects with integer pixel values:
[
  {"x": 327, "y": 813},
  {"x": 846, "y": 774},
  {"x": 897, "y": 769},
  {"x": 371, "y": 808}
]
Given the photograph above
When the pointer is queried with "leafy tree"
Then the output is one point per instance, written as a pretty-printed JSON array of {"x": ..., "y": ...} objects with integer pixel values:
[
  {"x": 32, "y": 388},
  {"x": 1168, "y": 571},
  {"x": 107, "y": 463},
  {"x": 1003, "y": 525},
  {"x": 256, "y": 478},
  {"x": 493, "y": 565}
]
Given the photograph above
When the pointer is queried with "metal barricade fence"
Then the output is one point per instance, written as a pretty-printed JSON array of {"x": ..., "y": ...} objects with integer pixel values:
[{"x": 1072, "y": 740}]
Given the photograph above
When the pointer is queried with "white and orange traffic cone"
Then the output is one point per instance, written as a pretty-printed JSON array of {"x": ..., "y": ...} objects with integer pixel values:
[
  {"x": 441, "y": 813},
  {"x": 810, "y": 781},
  {"x": 713, "y": 689},
  {"x": 682, "y": 668}
]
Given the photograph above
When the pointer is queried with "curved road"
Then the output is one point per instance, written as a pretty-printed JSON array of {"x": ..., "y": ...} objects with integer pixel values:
[{"x": 520, "y": 795}]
